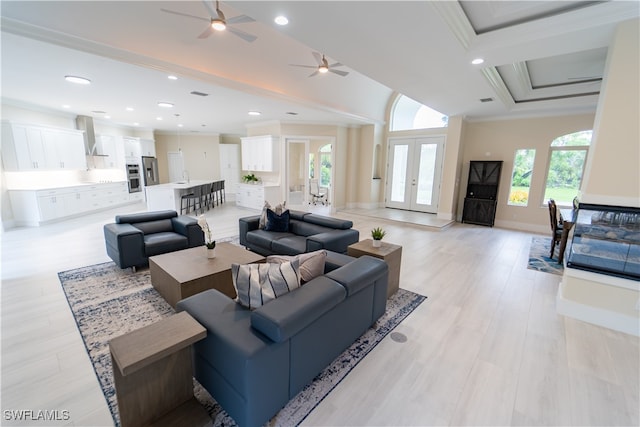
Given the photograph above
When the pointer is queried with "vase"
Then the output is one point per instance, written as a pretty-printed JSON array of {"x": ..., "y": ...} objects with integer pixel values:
[
  {"x": 377, "y": 243},
  {"x": 211, "y": 253}
]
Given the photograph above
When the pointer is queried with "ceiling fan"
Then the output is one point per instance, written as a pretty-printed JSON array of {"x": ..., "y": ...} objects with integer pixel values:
[
  {"x": 323, "y": 66},
  {"x": 218, "y": 22}
]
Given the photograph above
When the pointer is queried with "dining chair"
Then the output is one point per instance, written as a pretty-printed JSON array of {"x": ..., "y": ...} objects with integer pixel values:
[{"x": 556, "y": 226}]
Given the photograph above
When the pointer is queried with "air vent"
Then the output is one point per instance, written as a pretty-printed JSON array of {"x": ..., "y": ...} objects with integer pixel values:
[
  {"x": 291, "y": 113},
  {"x": 486, "y": 99},
  {"x": 195, "y": 92}
]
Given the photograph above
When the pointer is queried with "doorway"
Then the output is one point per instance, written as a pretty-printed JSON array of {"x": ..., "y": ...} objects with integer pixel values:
[
  {"x": 176, "y": 166},
  {"x": 414, "y": 171},
  {"x": 297, "y": 171}
]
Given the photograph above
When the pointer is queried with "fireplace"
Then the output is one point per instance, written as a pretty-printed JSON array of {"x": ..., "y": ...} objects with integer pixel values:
[{"x": 606, "y": 240}]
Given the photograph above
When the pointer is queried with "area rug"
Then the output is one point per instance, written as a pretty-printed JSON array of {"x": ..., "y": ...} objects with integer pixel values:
[
  {"x": 539, "y": 257},
  {"x": 108, "y": 302}
]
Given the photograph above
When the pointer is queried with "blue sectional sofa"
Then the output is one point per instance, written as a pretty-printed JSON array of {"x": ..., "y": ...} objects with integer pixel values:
[
  {"x": 254, "y": 362},
  {"x": 307, "y": 232},
  {"x": 133, "y": 238}
]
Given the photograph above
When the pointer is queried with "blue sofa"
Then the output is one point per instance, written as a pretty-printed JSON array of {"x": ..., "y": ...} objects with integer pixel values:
[
  {"x": 133, "y": 238},
  {"x": 254, "y": 362},
  {"x": 307, "y": 233}
]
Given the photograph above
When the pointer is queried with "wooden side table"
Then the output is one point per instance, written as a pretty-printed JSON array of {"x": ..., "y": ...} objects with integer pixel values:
[
  {"x": 153, "y": 374},
  {"x": 390, "y": 253}
]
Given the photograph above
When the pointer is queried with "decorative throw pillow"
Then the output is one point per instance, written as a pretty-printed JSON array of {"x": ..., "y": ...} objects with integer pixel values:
[
  {"x": 311, "y": 263},
  {"x": 257, "y": 284},
  {"x": 277, "y": 222},
  {"x": 263, "y": 216},
  {"x": 280, "y": 208}
]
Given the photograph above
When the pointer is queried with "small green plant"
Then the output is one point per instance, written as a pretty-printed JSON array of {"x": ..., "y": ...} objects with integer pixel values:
[
  {"x": 250, "y": 178},
  {"x": 378, "y": 233}
]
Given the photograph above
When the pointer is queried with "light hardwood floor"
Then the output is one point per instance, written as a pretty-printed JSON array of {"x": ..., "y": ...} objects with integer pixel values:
[{"x": 486, "y": 348}]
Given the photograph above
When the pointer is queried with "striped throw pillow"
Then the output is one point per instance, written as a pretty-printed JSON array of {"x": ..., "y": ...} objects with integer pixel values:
[{"x": 257, "y": 284}]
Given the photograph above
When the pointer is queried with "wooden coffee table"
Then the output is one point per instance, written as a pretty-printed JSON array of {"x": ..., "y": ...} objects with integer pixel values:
[{"x": 178, "y": 275}]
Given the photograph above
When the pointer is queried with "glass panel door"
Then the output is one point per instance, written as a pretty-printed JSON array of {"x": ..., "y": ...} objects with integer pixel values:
[
  {"x": 415, "y": 170},
  {"x": 297, "y": 171}
]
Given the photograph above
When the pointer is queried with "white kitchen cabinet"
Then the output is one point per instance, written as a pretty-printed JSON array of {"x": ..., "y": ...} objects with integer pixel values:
[
  {"x": 253, "y": 196},
  {"x": 132, "y": 148},
  {"x": 27, "y": 148},
  {"x": 34, "y": 207},
  {"x": 148, "y": 147},
  {"x": 260, "y": 153},
  {"x": 107, "y": 149}
]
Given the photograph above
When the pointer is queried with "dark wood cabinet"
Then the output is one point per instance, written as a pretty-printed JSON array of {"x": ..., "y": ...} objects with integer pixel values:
[{"x": 482, "y": 191}]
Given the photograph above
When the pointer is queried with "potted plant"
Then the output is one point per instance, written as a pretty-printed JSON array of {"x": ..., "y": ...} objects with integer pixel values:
[
  {"x": 208, "y": 238},
  {"x": 250, "y": 178},
  {"x": 377, "y": 234}
]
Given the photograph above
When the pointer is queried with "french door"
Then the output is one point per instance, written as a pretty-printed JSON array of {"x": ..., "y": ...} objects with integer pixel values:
[{"x": 414, "y": 172}]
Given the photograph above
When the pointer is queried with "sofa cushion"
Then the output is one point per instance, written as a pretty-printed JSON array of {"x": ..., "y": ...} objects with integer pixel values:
[
  {"x": 311, "y": 264},
  {"x": 158, "y": 226},
  {"x": 265, "y": 239},
  {"x": 257, "y": 284},
  {"x": 160, "y": 243},
  {"x": 145, "y": 217},
  {"x": 277, "y": 222},
  {"x": 295, "y": 311},
  {"x": 325, "y": 221},
  {"x": 302, "y": 228},
  {"x": 289, "y": 245}
]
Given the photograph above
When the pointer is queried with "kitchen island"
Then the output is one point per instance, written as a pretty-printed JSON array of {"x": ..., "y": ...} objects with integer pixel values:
[{"x": 167, "y": 196}]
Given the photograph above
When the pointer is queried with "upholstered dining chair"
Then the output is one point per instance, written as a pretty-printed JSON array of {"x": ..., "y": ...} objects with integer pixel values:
[{"x": 556, "y": 226}]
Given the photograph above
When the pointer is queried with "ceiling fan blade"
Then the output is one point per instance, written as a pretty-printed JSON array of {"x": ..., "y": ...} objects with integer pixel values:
[
  {"x": 304, "y": 66},
  {"x": 240, "y": 19},
  {"x": 243, "y": 35},
  {"x": 337, "y": 64},
  {"x": 313, "y": 74},
  {"x": 318, "y": 57},
  {"x": 339, "y": 72},
  {"x": 210, "y": 8},
  {"x": 186, "y": 15},
  {"x": 206, "y": 33}
]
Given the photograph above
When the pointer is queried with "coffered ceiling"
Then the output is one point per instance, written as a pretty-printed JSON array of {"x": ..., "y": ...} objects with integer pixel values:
[{"x": 540, "y": 58}]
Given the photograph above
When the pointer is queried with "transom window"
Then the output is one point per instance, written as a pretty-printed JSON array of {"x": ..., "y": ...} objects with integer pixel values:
[{"x": 408, "y": 114}]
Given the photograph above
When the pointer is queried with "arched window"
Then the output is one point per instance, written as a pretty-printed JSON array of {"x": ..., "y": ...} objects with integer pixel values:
[
  {"x": 408, "y": 114},
  {"x": 567, "y": 159}
]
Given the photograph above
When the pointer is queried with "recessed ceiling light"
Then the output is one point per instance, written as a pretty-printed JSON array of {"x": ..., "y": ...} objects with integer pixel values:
[
  {"x": 77, "y": 80},
  {"x": 281, "y": 20},
  {"x": 136, "y": 124},
  {"x": 477, "y": 61},
  {"x": 66, "y": 106},
  {"x": 129, "y": 108},
  {"x": 172, "y": 77},
  {"x": 180, "y": 125},
  {"x": 165, "y": 104},
  {"x": 159, "y": 118},
  {"x": 254, "y": 113},
  {"x": 106, "y": 116}
]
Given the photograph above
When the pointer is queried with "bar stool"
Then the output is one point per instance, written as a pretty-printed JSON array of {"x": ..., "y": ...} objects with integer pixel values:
[
  {"x": 195, "y": 196},
  {"x": 206, "y": 195},
  {"x": 223, "y": 192}
]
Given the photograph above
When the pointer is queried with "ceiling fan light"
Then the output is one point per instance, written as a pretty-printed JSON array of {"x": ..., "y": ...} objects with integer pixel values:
[
  {"x": 218, "y": 24},
  {"x": 323, "y": 69},
  {"x": 78, "y": 80}
]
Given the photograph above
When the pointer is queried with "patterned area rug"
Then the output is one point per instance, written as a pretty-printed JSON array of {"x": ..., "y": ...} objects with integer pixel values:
[
  {"x": 108, "y": 302},
  {"x": 539, "y": 257}
]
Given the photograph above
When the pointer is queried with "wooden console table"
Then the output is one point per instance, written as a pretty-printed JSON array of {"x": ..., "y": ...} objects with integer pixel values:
[
  {"x": 153, "y": 374},
  {"x": 390, "y": 253}
]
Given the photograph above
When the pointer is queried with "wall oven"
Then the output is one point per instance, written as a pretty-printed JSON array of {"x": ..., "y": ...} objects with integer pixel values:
[{"x": 133, "y": 177}]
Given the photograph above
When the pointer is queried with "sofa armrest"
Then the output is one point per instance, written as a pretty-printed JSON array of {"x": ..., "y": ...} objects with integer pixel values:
[
  {"x": 125, "y": 245},
  {"x": 248, "y": 223},
  {"x": 336, "y": 240},
  {"x": 188, "y": 227},
  {"x": 360, "y": 273},
  {"x": 284, "y": 317}
]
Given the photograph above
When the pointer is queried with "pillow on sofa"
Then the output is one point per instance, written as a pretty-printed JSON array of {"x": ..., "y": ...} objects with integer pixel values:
[
  {"x": 277, "y": 222},
  {"x": 257, "y": 284},
  {"x": 263, "y": 216},
  {"x": 311, "y": 263}
]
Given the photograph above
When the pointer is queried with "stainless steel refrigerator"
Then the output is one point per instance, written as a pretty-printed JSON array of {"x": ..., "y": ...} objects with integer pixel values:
[{"x": 150, "y": 169}]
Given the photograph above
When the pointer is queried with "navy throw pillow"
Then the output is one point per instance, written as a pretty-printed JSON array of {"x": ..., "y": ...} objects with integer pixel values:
[{"x": 277, "y": 222}]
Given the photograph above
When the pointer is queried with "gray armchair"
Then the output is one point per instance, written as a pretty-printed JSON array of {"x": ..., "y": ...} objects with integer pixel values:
[{"x": 133, "y": 238}]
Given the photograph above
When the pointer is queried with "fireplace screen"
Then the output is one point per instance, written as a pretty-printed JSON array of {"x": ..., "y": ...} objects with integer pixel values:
[{"x": 606, "y": 239}]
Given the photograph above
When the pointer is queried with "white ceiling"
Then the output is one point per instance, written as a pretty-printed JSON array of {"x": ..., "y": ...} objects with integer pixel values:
[{"x": 540, "y": 58}]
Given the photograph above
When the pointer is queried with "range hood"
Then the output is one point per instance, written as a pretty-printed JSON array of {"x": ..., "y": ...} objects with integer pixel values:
[{"x": 85, "y": 123}]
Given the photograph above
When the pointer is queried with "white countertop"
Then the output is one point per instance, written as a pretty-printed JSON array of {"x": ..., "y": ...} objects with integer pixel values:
[{"x": 181, "y": 185}]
